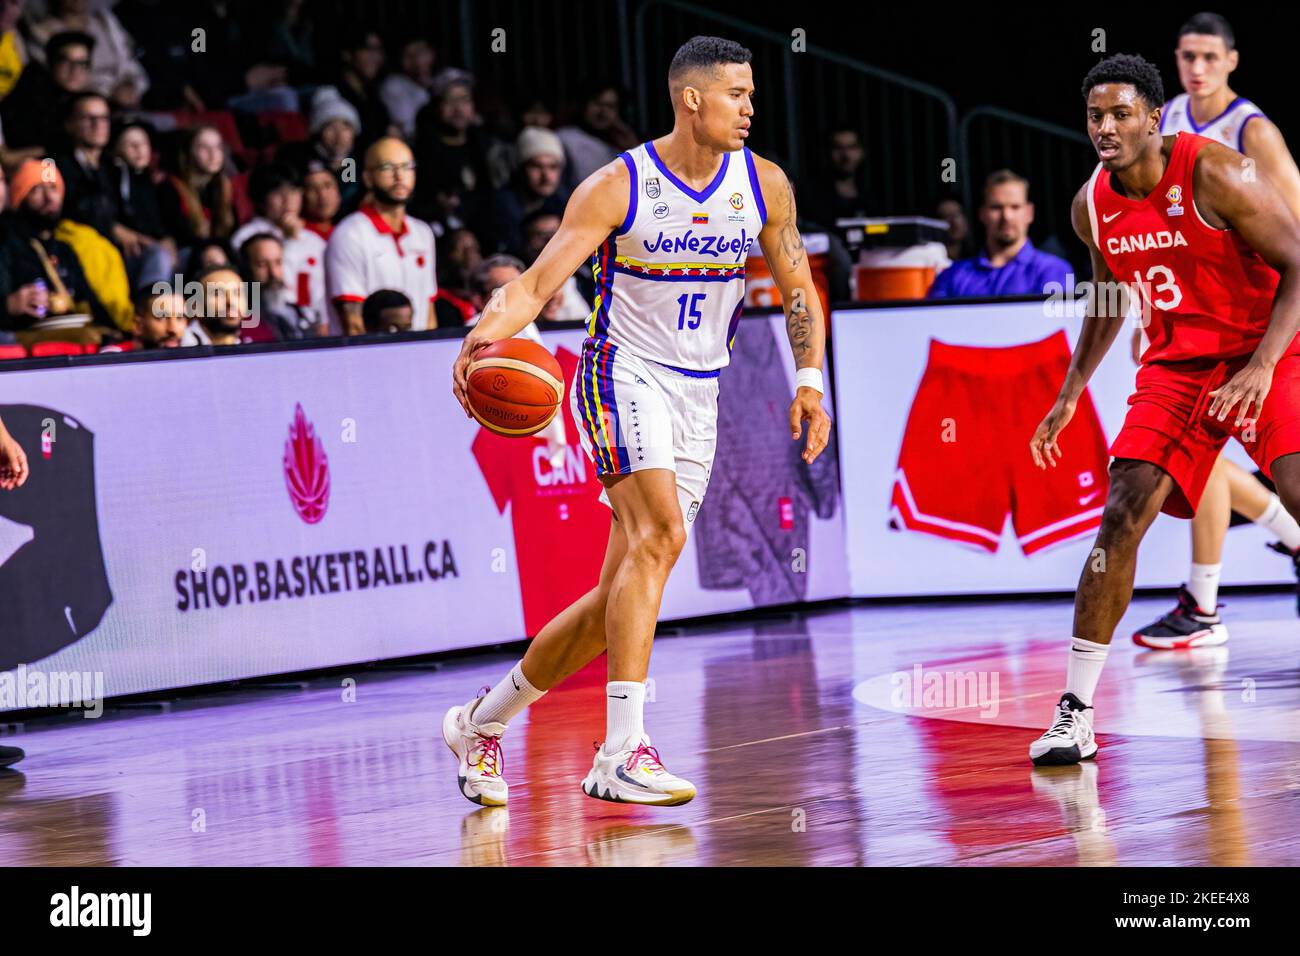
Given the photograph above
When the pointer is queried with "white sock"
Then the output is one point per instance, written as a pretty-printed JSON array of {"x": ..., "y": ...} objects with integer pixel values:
[
  {"x": 1204, "y": 585},
  {"x": 1279, "y": 521},
  {"x": 1084, "y": 669},
  {"x": 508, "y": 698},
  {"x": 624, "y": 714}
]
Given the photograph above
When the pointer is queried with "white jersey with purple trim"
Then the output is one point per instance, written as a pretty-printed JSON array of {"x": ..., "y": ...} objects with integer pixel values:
[
  {"x": 1226, "y": 128},
  {"x": 671, "y": 281}
]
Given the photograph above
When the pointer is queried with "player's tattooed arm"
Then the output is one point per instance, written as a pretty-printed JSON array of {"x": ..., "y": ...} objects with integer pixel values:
[
  {"x": 791, "y": 240},
  {"x": 804, "y": 323}
]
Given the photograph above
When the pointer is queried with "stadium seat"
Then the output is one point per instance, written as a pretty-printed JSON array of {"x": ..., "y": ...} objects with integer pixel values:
[{"x": 12, "y": 352}]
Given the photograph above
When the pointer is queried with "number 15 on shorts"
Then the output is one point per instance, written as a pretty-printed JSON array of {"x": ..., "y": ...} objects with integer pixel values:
[{"x": 690, "y": 308}]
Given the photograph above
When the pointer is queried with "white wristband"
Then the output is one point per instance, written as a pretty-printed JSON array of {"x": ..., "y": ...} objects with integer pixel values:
[{"x": 809, "y": 378}]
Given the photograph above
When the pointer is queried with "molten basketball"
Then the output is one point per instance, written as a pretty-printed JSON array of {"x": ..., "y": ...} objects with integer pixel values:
[{"x": 515, "y": 387}]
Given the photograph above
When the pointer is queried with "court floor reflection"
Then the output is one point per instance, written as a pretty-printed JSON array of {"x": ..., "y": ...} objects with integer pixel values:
[{"x": 818, "y": 739}]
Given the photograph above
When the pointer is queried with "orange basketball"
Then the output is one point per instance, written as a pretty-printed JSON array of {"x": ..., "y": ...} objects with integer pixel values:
[{"x": 515, "y": 387}]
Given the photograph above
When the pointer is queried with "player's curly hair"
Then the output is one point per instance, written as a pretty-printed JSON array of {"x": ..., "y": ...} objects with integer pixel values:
[{"x": 1131, "y": 69}]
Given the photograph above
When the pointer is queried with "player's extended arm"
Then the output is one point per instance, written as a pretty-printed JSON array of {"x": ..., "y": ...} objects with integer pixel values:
[
  {"x": 1107, "y": 306},
  {"x": 597, "y": 207},
  {"x": 13, "y": 463},
  {"x": 1234, "y": 194},
  {"x": 805, "y": 325}
]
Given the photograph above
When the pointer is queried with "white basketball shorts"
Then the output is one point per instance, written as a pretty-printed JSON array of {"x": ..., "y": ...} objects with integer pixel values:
[{"x": 636, "y": 414}]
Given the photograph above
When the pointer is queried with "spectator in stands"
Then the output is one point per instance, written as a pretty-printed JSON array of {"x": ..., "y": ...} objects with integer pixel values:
[
  {"x": 13, "y": 49},
  {"x": 841, "y": 191},
  {"x": 320, "y": 198},
  {"x": 959, "y": 244},
  {"x": 277, "y": 196},
  {"x": 358, "y": 82},
  {"x": 463, "y": 255},
  {"x": 291, "y": 39},
  {"x": 1010, "y": 265},
  {"x": 334, "y": 125},
  {"x": 221, "y": 311},
  {"x": 136, "y": 184},
  {"x": 599, "y": 136},
  {"x": 538, "y": 228},
  {"x": 115, "y": 73},
  {"x": 38, "y": 249},
  {"x": 405, "y": 93},
  {"x": 452, "y": 155},
  {"x": 386, "y": 311},
  {"x": 31, "y": 113},
  {"x": 458, "y": 255},
  {"x": 91, "y": 194},
  {"x": 207, "y": 254},
  {"x": 536, "y": 186},
  {"x": 197, "y": 201},
  {"x": 379, "y": 246},
  {"x": 158, "y": 321},
  {"x": 263, "y": 258}
]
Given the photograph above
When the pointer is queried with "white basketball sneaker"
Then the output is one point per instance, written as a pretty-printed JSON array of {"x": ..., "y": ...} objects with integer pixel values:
[
  {"x": 479, "y": 760},
  {"x": 635, "y": 775},
  {"x": 1069, "y": 739}
]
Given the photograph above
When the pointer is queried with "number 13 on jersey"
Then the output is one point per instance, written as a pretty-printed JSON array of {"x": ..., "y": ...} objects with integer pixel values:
[{"x": 690, "y": 309}]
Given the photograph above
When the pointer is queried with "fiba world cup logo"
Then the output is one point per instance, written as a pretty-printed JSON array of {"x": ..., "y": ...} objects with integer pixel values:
[
  {"x": 737, "y": 201},
  {"x": 306, "y": 469}
]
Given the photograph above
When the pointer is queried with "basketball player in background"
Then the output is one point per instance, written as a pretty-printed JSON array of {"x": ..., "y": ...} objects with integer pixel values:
[
  {"x": 672, "y": 222},
  {"x": 1215, "y": 255},
  {"x": 1207, "y": 55},
  {"x": 13, "y": 474}
]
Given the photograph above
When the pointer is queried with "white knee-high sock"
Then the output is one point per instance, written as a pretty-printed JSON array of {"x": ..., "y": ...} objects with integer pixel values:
[
  {"x": 1084, "y": 669},
  {"x": 1279, "y": 521},
  {"x": 1204, "y": 585},
  {"x": 624, "y": 714},
  {"x": 508, "y": 698}
]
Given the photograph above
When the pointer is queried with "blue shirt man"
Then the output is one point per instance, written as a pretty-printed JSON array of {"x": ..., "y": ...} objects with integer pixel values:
[{"x": 1010, "y": 265}]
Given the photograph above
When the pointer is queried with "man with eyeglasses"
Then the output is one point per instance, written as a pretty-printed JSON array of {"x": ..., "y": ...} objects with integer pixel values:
[
  {"x": 31, "y": 113},
  {"x": 379, "y": 246}
]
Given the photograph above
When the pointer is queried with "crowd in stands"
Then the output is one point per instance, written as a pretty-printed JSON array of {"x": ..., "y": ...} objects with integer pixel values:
[{"x": 215, "y": 150}]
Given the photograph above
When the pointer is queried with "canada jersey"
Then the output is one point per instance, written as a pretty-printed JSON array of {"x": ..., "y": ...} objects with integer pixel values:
[
  {"x": 1207, "y": 293},
  {"x": 1228, "y": 127},
  {"x": 670, "y": 281}
]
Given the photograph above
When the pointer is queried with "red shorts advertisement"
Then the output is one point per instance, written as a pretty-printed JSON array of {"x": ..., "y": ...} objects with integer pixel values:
[{"x": 936, "y": 407}]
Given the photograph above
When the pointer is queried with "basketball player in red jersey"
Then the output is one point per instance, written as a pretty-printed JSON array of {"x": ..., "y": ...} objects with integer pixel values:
[
  {"x": 13, "y": 474},
  {"x": 1207, "y": 56},
  {"x": 1212, "y": 255},
  {"x": 656, "y": 345}
]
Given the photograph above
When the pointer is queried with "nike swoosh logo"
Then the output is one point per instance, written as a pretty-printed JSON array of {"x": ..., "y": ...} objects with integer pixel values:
[
  {"x": 1111, "y": 216},
  {"x": 626, "y": 779},
  {"x": 619, "y": 696},
  {"x": 512, "y": 680},
  {"x": 1084, "y": 501}
]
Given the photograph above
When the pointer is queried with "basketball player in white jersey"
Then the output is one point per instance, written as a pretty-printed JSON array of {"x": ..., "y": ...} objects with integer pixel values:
[
  {"x": 1207, "y": 55},
  {"x": 671, "y": 223}
]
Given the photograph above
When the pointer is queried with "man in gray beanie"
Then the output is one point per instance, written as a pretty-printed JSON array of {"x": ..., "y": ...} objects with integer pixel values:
[
  {"x": 334, "y": 125},
  {"x": 536, "y": 185}
]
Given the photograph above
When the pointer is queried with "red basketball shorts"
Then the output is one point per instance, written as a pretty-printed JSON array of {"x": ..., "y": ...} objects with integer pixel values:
[
  {"x": 1168, "y": 425},
  {"x": 965, "y": 461}
]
